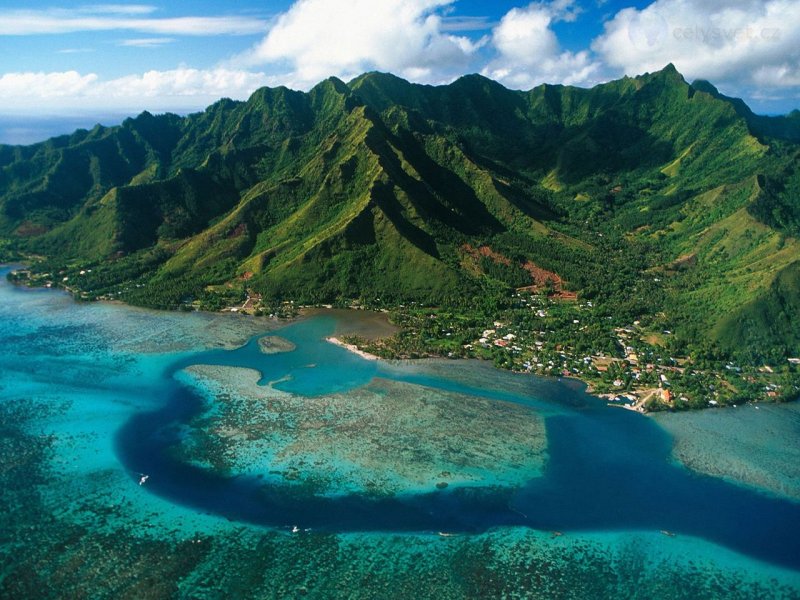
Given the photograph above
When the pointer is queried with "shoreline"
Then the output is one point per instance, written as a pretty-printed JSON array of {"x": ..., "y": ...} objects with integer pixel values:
[
  {"x": 351, "y": 348},
  {"x": 276, "y": 322}
]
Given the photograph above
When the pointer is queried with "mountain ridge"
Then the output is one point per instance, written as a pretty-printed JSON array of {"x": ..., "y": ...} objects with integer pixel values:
[{"x": 372, "y": 189}]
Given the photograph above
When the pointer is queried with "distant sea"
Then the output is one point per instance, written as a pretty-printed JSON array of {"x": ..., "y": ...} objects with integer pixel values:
[
  {"x": 26, "y": 129},
  {"x": 23, "y": 130}
]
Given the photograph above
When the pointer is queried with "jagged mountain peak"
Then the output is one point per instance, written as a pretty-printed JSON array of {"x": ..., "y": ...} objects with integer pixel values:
[{"x": 377, "y": 186}]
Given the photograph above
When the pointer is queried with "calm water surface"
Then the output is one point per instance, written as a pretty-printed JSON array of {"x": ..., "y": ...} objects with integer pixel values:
[{"x": 609, "y": 470}]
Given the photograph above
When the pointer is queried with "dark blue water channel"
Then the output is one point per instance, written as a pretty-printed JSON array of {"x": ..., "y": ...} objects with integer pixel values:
[{"x": 608, "y": 469}]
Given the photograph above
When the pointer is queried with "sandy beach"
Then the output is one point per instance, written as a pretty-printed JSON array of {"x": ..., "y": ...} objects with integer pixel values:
[{"x": 352, "y": 348}]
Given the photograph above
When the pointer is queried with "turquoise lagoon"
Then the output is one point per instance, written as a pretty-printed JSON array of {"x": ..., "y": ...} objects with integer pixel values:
[{"x": 316, "y": 473}]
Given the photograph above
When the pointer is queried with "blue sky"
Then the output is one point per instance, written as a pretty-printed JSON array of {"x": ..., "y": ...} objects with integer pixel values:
[{"x": 68, "y": 59}]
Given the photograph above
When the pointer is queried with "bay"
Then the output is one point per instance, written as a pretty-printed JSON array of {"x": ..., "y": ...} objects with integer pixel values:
[{"x": 97, "y": 397}]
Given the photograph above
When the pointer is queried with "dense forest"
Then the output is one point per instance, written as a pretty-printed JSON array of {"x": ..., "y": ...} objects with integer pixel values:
[{"x": 653, "y": 199}]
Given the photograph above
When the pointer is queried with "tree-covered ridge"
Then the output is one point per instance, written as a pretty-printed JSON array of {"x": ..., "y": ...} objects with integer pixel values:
[{"x": 658, "y": 200}]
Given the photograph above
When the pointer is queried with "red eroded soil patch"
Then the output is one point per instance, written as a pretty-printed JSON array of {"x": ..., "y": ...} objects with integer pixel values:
[
  {"x": 240, "y": 229},
  {"x": 28, "y": 229},
  {"x": 540, "y": 278},
  {"x": 486, "y": 251}
]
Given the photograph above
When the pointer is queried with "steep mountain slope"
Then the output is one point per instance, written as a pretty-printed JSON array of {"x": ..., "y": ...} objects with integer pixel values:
[{"x": 651, "y": 196}]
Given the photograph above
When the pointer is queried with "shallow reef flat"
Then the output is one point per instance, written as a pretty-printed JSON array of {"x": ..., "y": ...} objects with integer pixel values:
[
  {"x": 147, "y": 331},
  {"x": 46, "y": 551},
  {"x": 62, "y": 444},
  {"x": 85, "y": 541},
  {"x": 274, "y": 344},
  {"x": 76, "y": 523},
  {"x": 484, "y": 379},
  {"x": 749, "y": 445},
  {"x": 504, "y": 563},
  {"x": 384, "y": 438},
  {"x": 50, "y": 322}
]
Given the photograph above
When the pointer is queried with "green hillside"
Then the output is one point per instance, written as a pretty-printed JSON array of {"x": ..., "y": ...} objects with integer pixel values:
[{"x": 655, "y": 199}]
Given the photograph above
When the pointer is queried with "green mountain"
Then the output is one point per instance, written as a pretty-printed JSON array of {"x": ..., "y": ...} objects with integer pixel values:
[{"x": 654, "y": 198}]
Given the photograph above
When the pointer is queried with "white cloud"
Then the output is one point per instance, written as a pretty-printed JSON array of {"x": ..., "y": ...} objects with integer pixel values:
[
  {"x": 44, "y": 85},
  {"x": 146, "y": 42},
  {"x": 75, "y": 50},
  {"x": 113, "y": 17},
  {"x": 736, "y": 43},
  {"x": 747, "y": 47},
  {"x": 777, "y": 76},
  {"x": 185, "y": 82},
  {"x": 118, "y": 9},
  {"x": 178, "y": 89},
  {"x": 524, "y": 35},
  {"x": 318, "y": 38},
  {"x": 529, "y": 52}
]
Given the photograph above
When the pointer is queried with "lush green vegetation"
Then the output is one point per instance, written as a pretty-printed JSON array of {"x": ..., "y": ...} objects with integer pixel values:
[
  {"x": 657, "y": 201},
  {"x": 629, "y": 364}
]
